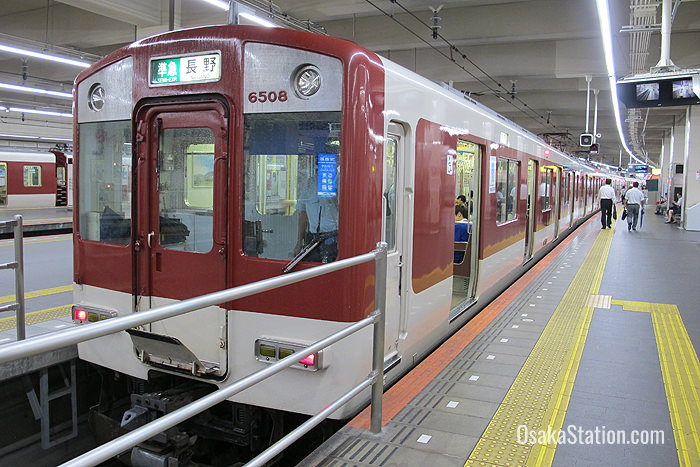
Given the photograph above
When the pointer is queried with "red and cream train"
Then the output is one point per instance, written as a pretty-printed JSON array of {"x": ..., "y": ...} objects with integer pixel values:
[
  {"x": 32, "y": 178},
  {"x": 208, "y": 158}
]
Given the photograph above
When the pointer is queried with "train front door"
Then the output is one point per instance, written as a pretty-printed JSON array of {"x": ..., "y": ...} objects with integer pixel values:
[{"x": 181, "y": 176}]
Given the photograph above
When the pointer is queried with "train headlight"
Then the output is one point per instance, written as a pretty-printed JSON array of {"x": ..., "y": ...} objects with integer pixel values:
[
  {"x": 306, "y": 81},
  {"x": 83, "y": 314},
  {"x": 271, "y": 351}
]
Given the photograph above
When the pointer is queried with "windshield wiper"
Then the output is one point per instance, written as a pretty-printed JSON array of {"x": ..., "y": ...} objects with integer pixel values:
[{"x": 308, "y": 248}]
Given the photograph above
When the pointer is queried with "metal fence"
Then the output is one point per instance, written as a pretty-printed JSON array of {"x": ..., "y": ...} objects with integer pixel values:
[
  {"x": 375, "y": 379},
  {"x": 18, "y": 266}
]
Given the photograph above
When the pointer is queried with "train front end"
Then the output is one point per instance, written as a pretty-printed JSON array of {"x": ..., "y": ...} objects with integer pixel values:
[{"x": 214, "y": 157}]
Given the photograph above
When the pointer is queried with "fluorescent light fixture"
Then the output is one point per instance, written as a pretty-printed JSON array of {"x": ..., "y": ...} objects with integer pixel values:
[
  {"x": 249, "y": 16},
  {"x": 27, "y": 89},
  {"x": 2, "y": 108},
  {"x": 604, "y": 19},
  {"x": 56, "y": 139},
  {"x": 3, "y": 135},
  {"x": 44, "y": 56},
  {"x": 48, "y": 138},
  {"x": 41, "y": 112},
  {"x": 257, "y": 20},
  {"x": 217, "y": 3}
]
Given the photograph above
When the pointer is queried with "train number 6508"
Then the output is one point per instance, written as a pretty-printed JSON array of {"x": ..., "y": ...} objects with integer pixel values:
[{"x": 267, "y": 96}]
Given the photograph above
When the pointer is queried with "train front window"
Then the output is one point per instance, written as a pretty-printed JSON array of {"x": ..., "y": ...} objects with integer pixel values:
[
  {"x": 186, "y": 189},
  {"x": 292, "y": 168},
  {"x": 104, "y": 175}
]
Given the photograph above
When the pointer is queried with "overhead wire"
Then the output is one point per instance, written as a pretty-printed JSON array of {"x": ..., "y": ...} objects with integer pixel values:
[{"x": 496, "y": 92}]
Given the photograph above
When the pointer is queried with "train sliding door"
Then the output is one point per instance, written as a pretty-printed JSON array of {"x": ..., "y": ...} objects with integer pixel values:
[
  {"x": 394, "y": 235},
  {"x": 181, "y": 232},
  {"x": 530, "y": 214},
  {"x": 466, "y": 257}
]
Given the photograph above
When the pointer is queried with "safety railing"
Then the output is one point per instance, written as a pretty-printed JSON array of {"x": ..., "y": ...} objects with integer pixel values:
[
  {"x": 375, "y": 379},
  {"x": 18, "y": 266}
]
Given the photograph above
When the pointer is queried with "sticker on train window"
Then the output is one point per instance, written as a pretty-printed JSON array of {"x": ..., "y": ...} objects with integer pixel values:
[
  {"x": 186, "y": 69},
  {"x": 327, "y": 166}
]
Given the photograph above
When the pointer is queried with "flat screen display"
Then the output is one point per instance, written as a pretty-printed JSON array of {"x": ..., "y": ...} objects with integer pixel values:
[
  {"x": 683, "y": 89},
  {"x": 648, "y": 91}
]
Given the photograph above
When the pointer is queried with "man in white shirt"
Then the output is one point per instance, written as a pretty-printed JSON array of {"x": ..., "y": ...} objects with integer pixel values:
[
  {"x": 634, "y": 201},
  {"x": 606, "y": 197}
]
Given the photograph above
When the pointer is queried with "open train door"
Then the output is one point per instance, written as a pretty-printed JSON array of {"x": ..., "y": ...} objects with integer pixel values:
[
  {"x": 530, "y": 213},
  {"x": 393, "y": 233},
  {"x": 181, "y": 173}
]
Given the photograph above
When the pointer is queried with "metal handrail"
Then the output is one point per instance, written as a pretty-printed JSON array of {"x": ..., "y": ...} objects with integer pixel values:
[
  {"x": 18, "y": 266},
  {"x": 121, "y": 444}
]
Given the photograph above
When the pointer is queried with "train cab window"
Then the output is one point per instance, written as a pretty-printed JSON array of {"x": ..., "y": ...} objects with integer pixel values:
[
  {"x": 104, "y": 175},
  {"x": 32, "y": 175},
  {"x": 186, "y": 189},
  {"x": 506, "y": 190},
  {"x": 292, "y": 169}
]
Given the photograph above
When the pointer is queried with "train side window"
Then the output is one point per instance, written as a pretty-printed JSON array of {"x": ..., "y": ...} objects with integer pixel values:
[
  {"x": 507, "y": 190},
  {"x": 546, "y": 188},
  {"x": 32, "y": 175},
  {"x": 292, "y": 170},
  {"x": 104, "y": 173}
]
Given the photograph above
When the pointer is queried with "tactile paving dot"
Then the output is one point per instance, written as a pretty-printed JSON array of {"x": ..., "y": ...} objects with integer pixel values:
[{"x": 498, "y": 452}]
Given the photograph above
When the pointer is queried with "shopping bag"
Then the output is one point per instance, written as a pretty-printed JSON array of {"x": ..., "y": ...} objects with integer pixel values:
[{"x": 624, "y": 214}]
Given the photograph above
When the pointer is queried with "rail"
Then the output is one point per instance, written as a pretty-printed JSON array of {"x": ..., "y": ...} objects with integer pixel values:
[
  {"x": 18, "y": 266},
  {"x": 375, "y": 379}
]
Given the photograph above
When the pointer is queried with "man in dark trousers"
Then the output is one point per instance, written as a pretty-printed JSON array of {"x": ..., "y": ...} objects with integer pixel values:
[{"x": 606, "y": 196}]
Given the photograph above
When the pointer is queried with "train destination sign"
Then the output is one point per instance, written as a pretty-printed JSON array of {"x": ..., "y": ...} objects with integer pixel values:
[{"x": 185, "y": 69}]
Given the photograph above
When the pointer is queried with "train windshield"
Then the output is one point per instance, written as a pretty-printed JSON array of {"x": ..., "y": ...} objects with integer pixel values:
[
  {"x": 105, "y": 181},
  {"x": 292, "y": 168}
]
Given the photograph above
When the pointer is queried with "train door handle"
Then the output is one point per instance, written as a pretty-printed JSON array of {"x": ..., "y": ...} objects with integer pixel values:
[{"x": 150, "y": 238}]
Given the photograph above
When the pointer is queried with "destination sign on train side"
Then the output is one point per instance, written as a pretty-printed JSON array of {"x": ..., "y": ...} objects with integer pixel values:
[{"x": 185, "y": 69}]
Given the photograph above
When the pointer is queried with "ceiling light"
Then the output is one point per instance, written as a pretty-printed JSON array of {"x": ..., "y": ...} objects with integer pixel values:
[
  {"x": 46, "y": 92},
  {"x": 2, "y": 135},
  {"x": 257, "y": 20},
  {"x": 604, "y": 19},
  {"x": 217, "y": 3},
  {"x": 44, "y": 56},
  {"x": 41, "y": 112}
]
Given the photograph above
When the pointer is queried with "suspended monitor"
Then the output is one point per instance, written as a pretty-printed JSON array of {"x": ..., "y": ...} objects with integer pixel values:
[{"x": 660, "y": 89}]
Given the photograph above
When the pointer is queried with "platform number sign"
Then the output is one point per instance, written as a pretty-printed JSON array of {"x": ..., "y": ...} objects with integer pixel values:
[
  {"x": 185, "y": 69},
  {"x": 327, "y": 173}
]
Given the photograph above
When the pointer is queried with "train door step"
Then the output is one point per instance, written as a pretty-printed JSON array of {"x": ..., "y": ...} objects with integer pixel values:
[{"x": 169, "y": 352}]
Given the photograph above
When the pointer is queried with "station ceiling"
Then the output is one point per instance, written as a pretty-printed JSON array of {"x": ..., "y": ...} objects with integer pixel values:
[{"x": 526, "y": 59}]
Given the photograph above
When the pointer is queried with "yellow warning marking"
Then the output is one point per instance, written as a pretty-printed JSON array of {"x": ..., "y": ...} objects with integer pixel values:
[
  {"x": 38, "y": 293},
  {"x": 539, "y": 397},
  {"x": 36, "y": 317},
  {"x": 681, "y": 373},
  {"x": 55, "y": 219}
]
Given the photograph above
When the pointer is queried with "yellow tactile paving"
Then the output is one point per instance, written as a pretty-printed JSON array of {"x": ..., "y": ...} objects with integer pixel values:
[
  {"x": 39, "y": 293},
  {"x": 681, "y": 373},
  {"x": 35, "y": 317},
  {"x": 539, "y": 397}
]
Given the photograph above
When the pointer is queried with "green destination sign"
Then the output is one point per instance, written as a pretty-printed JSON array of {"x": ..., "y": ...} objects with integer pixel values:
[{"x": 186, "y": 69}]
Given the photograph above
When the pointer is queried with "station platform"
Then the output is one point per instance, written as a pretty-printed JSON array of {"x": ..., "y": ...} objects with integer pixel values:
[
  {"x": 590, "y": 359},
  {"x": 39, "y": 221}
]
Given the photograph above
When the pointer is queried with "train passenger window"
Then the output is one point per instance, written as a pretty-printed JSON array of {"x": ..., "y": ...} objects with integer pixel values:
[
  {"x": 390, "y": 192},
  {"x": 292, "y": 168},
  {"x": 32, "y": 175},
  {"x": 506, "y": 190},
  {"x": 105, "y": 181},
  {"x": 186, "y": 189},
  {"x": 546, "y": 188}
]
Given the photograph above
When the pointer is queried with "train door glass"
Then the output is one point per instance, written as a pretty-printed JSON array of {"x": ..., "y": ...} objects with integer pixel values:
[
  {"x": 3, "y": 184},
  {"x": 393, "y": 235},
  {"x": 182, "y": 230},
  {"x": 465, "y": 244},
  {"x": 557, "y": 190},
  {"x": 585, "y": 194},
  {"x": 530, "y": 214}
]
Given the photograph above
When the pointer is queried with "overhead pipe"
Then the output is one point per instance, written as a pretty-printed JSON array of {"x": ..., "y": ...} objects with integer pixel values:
[
  {"x": 666, "y": 18},
  {"x": 588, "y": 99}
]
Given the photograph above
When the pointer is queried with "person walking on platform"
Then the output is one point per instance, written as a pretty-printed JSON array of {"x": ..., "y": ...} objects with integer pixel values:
[
  {"x": 606, "y": 196},
  {"x": 634, "y": 201}
]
